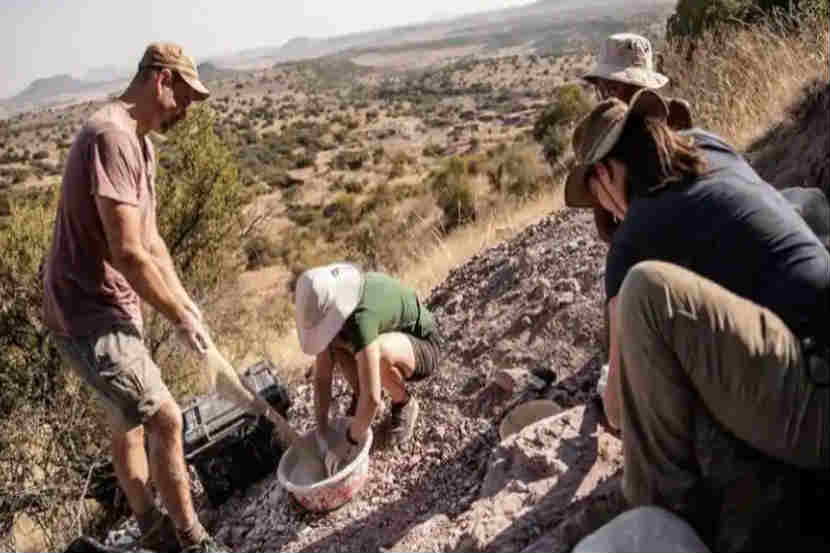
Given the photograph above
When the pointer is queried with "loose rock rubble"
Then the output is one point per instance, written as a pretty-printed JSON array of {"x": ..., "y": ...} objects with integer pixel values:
[{"x": 531, "y": 303}]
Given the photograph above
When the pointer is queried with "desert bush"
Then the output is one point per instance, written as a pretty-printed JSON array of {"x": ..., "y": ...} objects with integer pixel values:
[
  {"x": 260, "y": 251},
  {"x": 377, "y": 154},
  {"x": 552, "y": 127},
  {"x": 380, "y": 197},
  {"x": 454, "y": 193},
  {"x": 520, "y": 173},
  {"x": 200, "y": 198},
  {"x": 433, "y": 149},
  {"x": 304, "y": 161},
  {"x": 20, "y": 175},
  {"x": 341, "y": 212},
  {"x": 349, "y": 159},
  {"x": 399, "y": 162}
]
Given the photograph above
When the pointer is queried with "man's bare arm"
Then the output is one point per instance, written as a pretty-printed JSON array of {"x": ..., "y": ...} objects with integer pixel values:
[
  {"x": 164, "y": 262},
  {"x": 122, "y": 227}
]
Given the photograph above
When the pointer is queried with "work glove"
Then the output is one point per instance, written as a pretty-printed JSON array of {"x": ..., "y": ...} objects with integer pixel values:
[
  {"x": 191, "y": 332},
  {"x": 342, "y": 454}
]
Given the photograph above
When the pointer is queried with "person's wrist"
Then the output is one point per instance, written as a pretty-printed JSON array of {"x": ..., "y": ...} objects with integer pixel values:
[
  {"x": 182, "y": 317},
  {"x": 349, "y": 437}
]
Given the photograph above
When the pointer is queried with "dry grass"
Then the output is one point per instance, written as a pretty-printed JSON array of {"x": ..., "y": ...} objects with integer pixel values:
[{"x": 741, "y": 83}]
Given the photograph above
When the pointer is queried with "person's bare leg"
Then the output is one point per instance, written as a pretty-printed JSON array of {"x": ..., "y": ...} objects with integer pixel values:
[
  {"x": 397, "y": 363},
  {"x": 345, "y": 361},
  {"x": 129, "y": 460},
  {"x": 169, "y": 471}
]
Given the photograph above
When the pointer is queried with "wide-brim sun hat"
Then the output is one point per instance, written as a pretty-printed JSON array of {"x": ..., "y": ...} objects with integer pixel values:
[
  {"x": 598, "y": 133},
  {"x": 324, "y": 299},
  {"x": 627, "y": 58}
]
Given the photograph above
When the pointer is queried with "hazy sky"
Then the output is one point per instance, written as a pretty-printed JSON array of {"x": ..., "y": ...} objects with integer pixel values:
[{"x": 41, "y": 38}]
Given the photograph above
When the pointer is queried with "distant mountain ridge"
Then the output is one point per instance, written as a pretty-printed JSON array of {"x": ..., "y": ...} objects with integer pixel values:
[
  {"x": 47, "y": 87},
  {"x": 108, "y": 79}
]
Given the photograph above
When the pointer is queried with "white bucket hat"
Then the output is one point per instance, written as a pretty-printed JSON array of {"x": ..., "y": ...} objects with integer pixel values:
[
  {"x": 324, "y": 299},
  {"x": 627, "y": 58}
]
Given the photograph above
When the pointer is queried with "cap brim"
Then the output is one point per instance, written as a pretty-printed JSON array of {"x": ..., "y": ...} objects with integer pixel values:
[
  {"x": 202, "y": 93},
  {"x": 576, "y": 188}
]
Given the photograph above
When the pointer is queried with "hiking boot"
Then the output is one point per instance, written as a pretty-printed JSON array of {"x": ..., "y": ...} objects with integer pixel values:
[
  {"x": 161, "y": 535},
  {"x": 207, "y": 545},
  {"x": 403, "y": 421}
]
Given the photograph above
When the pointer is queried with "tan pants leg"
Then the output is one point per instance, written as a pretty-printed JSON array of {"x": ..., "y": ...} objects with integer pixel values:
[{"x": 684, "y": 340}]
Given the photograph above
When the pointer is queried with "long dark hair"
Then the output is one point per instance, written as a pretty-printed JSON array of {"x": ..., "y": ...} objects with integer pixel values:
[{"x": 656, "y": 156}]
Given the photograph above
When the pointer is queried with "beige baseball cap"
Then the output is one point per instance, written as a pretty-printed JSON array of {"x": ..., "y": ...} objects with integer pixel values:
[
  {"x": 598, "y": 133},
  {"x": 324, "y": 299},
  {"x": 172, "y": 56},
  {"x": 627, "y": 58}
]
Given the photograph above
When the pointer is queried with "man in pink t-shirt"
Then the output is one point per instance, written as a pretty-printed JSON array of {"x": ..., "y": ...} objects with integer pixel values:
[{"x": 107, "y": 256}]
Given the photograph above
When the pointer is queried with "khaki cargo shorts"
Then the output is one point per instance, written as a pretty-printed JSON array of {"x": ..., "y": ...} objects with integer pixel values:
[{"x": 117, "y": 364}]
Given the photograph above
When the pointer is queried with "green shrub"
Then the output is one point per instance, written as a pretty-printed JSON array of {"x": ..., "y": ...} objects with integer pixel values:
[
  {"x": 454, "y": 193},
  {"x": 519, "y": 173},
  {"x": 304, "y": 161},
  {"x": 349, "y": 159},
  {"x": 341, "y": 212},
  {"x": 570, "y": 104},
  {"x": 433, "y": 149},
  {"x": 200, "y": 199},
  {"x": 260, "y": 251}
]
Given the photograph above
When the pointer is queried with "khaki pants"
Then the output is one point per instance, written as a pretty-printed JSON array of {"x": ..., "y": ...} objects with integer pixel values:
[{"x": 685, "y": 340}]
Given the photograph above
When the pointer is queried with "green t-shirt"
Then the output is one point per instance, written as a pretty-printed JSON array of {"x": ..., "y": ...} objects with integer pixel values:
[{"x": 386, "y": 305}]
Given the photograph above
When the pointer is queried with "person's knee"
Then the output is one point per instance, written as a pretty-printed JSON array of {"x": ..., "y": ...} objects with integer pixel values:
[
  {"x": 396, "y": 352},
  {"x": 643, "y": 288},
  {"x": 167, "y": 422}
]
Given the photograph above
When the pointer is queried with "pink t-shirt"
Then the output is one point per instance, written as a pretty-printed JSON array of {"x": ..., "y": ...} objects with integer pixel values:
[{"x": 83, "y": 293}]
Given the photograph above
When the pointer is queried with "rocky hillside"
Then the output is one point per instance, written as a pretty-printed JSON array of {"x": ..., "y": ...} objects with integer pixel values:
[
  {"x": 532, "y": 303},
  {"x": 797, "y": 151}
]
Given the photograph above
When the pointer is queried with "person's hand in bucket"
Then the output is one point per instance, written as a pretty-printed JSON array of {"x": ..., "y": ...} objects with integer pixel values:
[
  {"x": 322, "y": 443},
  {"x": 343, "y": 453}
]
